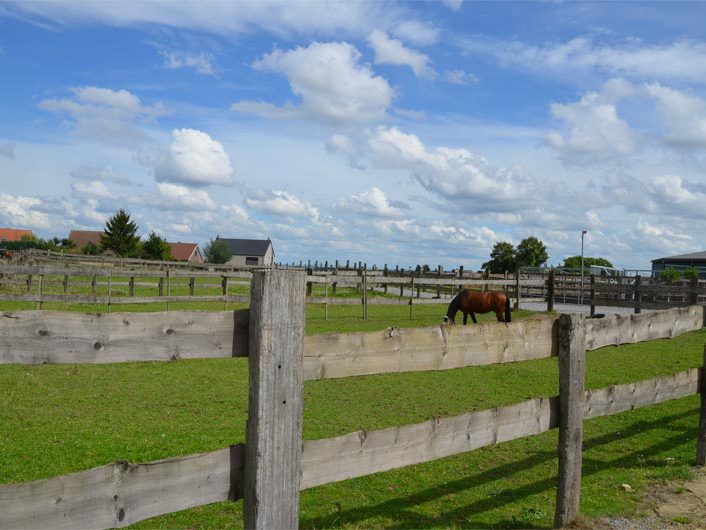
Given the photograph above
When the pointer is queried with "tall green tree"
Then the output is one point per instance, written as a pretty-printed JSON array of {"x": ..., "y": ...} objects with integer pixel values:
[
  {"x": 670, "y": 275},
  {"x": 156, "y": 247},
  {"x": 216, "y": 251},
  {"x": 531, "y": 252},
  {"x": 120, "y": 235},
  {"x": 574, "y": 262},
  {"x": 502, "y": 258}
]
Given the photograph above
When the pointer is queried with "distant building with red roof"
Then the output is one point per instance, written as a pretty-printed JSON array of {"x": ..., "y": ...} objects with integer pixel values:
[
  {"x": 81, "y": 238},
  {"x": 186, "y": 252},
  {"x": 14, "y": 234}
]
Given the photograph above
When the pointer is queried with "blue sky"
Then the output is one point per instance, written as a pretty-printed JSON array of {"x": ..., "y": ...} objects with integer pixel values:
[{"x": 388, "y": 132}]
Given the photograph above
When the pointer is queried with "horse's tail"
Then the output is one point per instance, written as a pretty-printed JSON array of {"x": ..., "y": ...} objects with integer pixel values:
[{"x": 508, "y": 314}]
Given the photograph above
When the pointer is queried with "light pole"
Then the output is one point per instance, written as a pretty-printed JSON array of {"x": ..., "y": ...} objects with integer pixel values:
[{"x": 583, "y": 233}]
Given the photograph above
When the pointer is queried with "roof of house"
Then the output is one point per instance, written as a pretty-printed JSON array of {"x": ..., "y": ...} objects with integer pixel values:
[
  {"x": 247, "y": 247},
  {"x": 183, "y": 251},
  {"x": 14, "y": 234},
  {"x": 81, "y": 238},
  {"x": 694, "y": 256}
]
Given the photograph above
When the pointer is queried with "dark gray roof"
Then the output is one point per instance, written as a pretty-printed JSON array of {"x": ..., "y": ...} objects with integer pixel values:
[
  {"x": 249, "y": 247},
  {"x": 694, "y": 256}
]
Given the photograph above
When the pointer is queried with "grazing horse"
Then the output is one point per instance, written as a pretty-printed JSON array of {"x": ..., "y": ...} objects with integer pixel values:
[{"x": 476, "y": 302}]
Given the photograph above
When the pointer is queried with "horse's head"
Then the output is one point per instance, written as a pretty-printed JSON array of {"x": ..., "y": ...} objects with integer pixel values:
[{"x": 449, "y": 320}]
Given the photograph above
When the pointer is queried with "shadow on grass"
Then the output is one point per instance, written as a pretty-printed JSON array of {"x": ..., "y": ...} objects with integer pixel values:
[{"x": 463, "y": 516}]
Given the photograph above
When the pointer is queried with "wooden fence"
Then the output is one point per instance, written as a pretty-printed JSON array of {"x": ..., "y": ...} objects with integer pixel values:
[
  {"x": 636, "y": 292},
  {"x": 270, "y": 469},
  {"x": 115, "y": 286}
]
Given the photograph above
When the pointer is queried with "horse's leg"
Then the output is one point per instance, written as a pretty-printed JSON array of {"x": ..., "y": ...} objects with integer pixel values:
[
  {"x": 500, "y": 316},
  {"x": 465, "y": 318},
  {"x": 473, "y": 316}
]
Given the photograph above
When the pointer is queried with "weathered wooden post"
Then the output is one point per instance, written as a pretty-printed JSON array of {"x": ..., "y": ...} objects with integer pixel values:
[
  {"x": 701, "y": 441},
  {"x": 438, "y": 285},
  {"x": 131, "y": 285},
  {"x": 94, "y": 285},
  {"x": 192, "y": 285},
  {"x": 365, "y": 292},
  {"x": 550, "y": 291},
  {"x": 274, "y": 430},
  {"x": 309, "y": 285},
  {"x": 693, "y": 290},
  {"x": 572, "y": 372},
  {"x": 517, "y": 289},
  {"x": 638, "y": 299},
  {"x": 160, "y": 286},
  {"x": 593, "y": 294},
  {"x": 384, "y": 273},
  {"x": 224, "y": 285}
]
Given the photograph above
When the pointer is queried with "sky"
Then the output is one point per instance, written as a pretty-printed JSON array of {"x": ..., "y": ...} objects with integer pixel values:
[{"x": 383, "y": 132}]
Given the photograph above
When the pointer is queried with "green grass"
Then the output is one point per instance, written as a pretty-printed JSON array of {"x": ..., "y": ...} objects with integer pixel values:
[{"x": 58, "y": 419}]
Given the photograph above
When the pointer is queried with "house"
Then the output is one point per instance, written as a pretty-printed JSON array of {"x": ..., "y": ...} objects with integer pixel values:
[
  {"x": 186, "y": 252},
  {"x": 250, "y": 251},
  {"x": 14, "y": 234},
  {"x": 81, "y": 238},
  {"x": 681, "y": 262}
]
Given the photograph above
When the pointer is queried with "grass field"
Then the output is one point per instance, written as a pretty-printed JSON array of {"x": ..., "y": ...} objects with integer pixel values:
[{"x": 64, "y": 418}]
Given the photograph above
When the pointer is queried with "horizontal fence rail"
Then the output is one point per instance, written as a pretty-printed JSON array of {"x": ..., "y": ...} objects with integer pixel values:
[
  {"x": 120, "y": 494},
  {"x": 36, "y": 337}
]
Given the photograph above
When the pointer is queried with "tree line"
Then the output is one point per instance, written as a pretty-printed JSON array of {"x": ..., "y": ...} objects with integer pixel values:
[
  {"x": 531, "y": 252},
  {"x": 121, "y": 239}
]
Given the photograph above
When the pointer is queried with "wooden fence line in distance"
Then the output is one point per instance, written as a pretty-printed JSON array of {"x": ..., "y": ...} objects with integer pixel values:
[{"x": 95, "y": 498}]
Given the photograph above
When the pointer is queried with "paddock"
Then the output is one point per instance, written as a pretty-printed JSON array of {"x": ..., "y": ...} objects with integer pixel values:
[{"x": 164, "y": 487}]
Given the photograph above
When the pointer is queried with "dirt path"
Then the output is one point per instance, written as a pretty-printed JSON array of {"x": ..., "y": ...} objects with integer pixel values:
[{"x": 669, "y": 506}]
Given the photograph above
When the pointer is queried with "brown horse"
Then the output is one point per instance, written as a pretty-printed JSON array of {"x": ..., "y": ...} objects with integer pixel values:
[{"x": 472, "y": 302}]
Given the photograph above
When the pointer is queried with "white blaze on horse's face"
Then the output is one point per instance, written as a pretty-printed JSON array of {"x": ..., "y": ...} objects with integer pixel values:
[{"x": 447, "y": 320}]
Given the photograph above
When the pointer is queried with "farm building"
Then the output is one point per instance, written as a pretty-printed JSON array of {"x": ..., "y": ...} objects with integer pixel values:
[
  {"x": 189, "y": 252},
  {"x": 14, "y": 234},
  {"x": 681, "y": 262},
  {"x": 250, "y": 251},
  {"x": 81, "y": 238}
]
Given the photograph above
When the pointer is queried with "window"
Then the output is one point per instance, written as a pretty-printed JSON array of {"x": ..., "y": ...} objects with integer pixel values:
[{"x": 249, "y": 260}]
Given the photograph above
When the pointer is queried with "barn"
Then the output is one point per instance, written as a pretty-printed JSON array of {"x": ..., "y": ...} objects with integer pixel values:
[
  {"x": 251, "y": 252},
  {"x": 14, "y": 234},
  {"x": 81, "y": 238},
  {"x": 681, "y": 262},
  {"x": 189, "y": 252}
]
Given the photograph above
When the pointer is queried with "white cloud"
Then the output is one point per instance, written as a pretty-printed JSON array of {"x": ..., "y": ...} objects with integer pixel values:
[
  {"x": 181, "y": 228},
  {"x": 202, "y": 62},
  {"x": 682, "y": 59},
  {"x": 90, "y": 215},
  {"x": 684, "y": 115},
  {"x": 454, "y": 5},
  {"x": 594, "y": 127},
  {"x": 371, "y": 202},
  {"x": 393, "y": 51},
  {"x": 93, "y": 188},
  {"x": 105, "y": 114},
  {"x": 279, "y": 202},
  {"x": 20, "y": 212},
  {"x": 457, "y": 175},
  {"x": 100, "y": 172},
  {"x": 175, "y": 197},
  {"x": 460, "y": 77},
  {"x": 333, "y": 85},
  {"x": 284, "y": 19},
  {"x": 416, "y": 32},
  {"x": 193, "y": 158},
  {"x": 236, "y": 211},
  {"x": 7, "y": 149}
]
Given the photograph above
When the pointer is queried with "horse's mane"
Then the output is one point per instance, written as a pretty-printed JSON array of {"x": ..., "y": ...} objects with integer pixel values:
[{"x": 454, "y": 306}]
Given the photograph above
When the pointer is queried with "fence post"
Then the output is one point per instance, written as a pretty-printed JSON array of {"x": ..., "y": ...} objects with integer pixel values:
[
  {"x": 273, "y": 436},
  {"x": 701, "y": 442},
  {"x": 638, "y": 300},
  {"x": 593, "y": 294},
  {"x": 131, "y": 285},
  {"x": 550, "y": 291},
  {"x": 192, "y": 286},
  {"x": 693, "y": 291},
  {"x": 365, "y": 292},
  {"x": 572, "y": 366},
  {"x": 94, "y": 285},
  {"x": 517, "y": 289}
]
